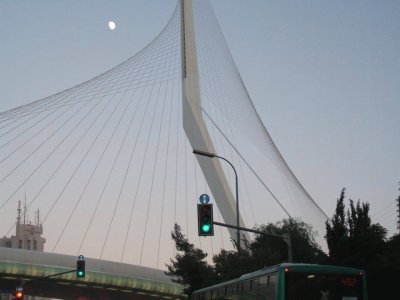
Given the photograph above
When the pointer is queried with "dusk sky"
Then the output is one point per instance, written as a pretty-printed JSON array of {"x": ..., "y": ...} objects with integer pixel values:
[{"x": 323, "y": 75}]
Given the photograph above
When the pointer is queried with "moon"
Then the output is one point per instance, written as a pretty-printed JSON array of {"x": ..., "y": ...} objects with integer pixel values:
[{"x": 111, "y": 25}]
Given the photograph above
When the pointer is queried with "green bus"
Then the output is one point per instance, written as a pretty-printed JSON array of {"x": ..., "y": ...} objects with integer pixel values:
[{"x": 292, "y": 281}]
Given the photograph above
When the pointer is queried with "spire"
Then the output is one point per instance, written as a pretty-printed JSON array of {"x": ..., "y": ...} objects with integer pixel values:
[
  {"x": 37, "y": 217},
  {"x": 19, "y": 213},
  {"x": 25, "y": 210}
]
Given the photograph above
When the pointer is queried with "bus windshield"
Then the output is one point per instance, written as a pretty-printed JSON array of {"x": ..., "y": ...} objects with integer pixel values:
[{"x": 309, "y": 286}]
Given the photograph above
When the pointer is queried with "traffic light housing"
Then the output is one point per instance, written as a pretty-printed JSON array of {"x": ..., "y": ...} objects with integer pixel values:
[
  {"x": 205, "y": 219},
  {"x": 19, "y": 293},
  {"x": 80, "y": 267}
]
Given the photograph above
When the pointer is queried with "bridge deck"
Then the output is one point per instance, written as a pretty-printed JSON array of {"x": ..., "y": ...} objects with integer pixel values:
[{"x": 102, "y": 277}]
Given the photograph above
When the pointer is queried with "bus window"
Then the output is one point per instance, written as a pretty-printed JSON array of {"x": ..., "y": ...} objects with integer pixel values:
[
  {"x": 267, "y": 287},
  {"x": 272, "y": 286},
  {"x": 249, "y": 289},
  {"x": 301, "y": 286},
  {"x": 199, "y": 296},
  {"x": 254, "y": 288},
  {"x": 229, "y": 291},
  {"x": 218, "y": 293},
  {"x": 245, "y": 287},
  {"x": 209, "y": 295}
]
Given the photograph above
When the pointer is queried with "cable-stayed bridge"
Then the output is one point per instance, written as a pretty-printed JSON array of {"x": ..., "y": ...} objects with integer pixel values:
[{"x": 109, "y": 162}]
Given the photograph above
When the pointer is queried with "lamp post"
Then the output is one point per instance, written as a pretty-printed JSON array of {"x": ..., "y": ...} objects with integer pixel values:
[{"x": 212, "y": 155}]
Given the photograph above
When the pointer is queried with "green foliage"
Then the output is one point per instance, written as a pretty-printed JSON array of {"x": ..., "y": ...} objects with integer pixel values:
[
  {"x": 390, "y": 260},
  {"x": 189, "y": 267},
  {"x": 352, "y": 238},
  {"x": 267, "y": 250},
  {"x": 232, "y": 264},
  {"x": 336, "y": 230},
  {"x": 272, "y": 250}
]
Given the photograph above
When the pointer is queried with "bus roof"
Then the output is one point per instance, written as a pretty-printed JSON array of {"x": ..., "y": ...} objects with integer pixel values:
[{"x": 300, "y": 267}]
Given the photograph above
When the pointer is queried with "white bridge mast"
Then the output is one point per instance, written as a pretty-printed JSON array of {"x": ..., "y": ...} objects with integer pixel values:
[{"x": 194, "y": 125}]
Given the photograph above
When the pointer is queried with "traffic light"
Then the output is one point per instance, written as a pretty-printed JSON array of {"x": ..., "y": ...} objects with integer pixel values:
[
  {"x": 19, "y": 293},
  {"x": 80, "y": 267},
  {"x": 205, "y": 219}
]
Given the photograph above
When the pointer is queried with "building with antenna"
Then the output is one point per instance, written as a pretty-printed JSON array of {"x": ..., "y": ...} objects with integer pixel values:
[{"x": 27, "y": 236}]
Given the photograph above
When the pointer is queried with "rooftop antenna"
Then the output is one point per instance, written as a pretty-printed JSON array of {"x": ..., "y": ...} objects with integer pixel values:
[
  {"x": 25, "y": 210},
  {"x": 37, "y": 217},
  {"x": 19, "y": 212}
]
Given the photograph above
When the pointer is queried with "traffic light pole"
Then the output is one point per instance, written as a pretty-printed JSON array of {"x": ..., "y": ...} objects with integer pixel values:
[
  {"x": 80, "y": 268},
  {"x": 285, "y": 238},
  {"x": 45, "y": 277},
  {"x": 24, "y": 282},
  {"x": 237, "y": 200},
  {"x": 53, "y": 275},
  {"x": 212, "y": 155}
]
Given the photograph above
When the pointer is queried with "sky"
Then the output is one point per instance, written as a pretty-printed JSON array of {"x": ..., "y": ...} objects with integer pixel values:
[{"x": 323, "y": 75}]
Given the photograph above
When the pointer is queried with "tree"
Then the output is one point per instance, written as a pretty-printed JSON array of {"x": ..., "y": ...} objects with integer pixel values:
[
  {"x": 385, "y": 272},
  {"x": 232, "y": 264},
  {"x": 366, "y": 240},
  {"x": 336, "y": 230},
  {"x": 391, "y": 258},
  {"x": 398, "y": 210},
  {"x": 352, "y": 238},
  {"x": 189, "y": 267},
  {"x": 272, "y": 250}
]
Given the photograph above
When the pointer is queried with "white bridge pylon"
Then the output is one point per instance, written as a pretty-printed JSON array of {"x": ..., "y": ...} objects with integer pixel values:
[{"x": 195, "y": 127}]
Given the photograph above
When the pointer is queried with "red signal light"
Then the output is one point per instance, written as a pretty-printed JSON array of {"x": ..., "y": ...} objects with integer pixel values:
[
  {"x": 19, "y": 293},
  {"x": 205, "y": 208}
]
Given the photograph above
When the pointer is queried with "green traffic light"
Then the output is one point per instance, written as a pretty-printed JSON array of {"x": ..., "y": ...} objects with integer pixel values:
[
  {"x": 80, "y": 267},
  {"x": 205, "y": 228},
  {"x": 205, "y": 220}
]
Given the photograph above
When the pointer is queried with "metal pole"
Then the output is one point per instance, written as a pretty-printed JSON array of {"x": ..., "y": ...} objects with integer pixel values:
[
  {"x": 237, "y": 210},
  {"x": 285, "y": 237},
  {"x": 288, "y": 241},
  {"x": 212, "y": 155},
  {"x": 23, "y": 282},
  {"x": 237, "y": 201}
]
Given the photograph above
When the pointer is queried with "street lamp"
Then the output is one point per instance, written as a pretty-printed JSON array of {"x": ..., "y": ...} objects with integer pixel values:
[{"x": 212, "y": 155}]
